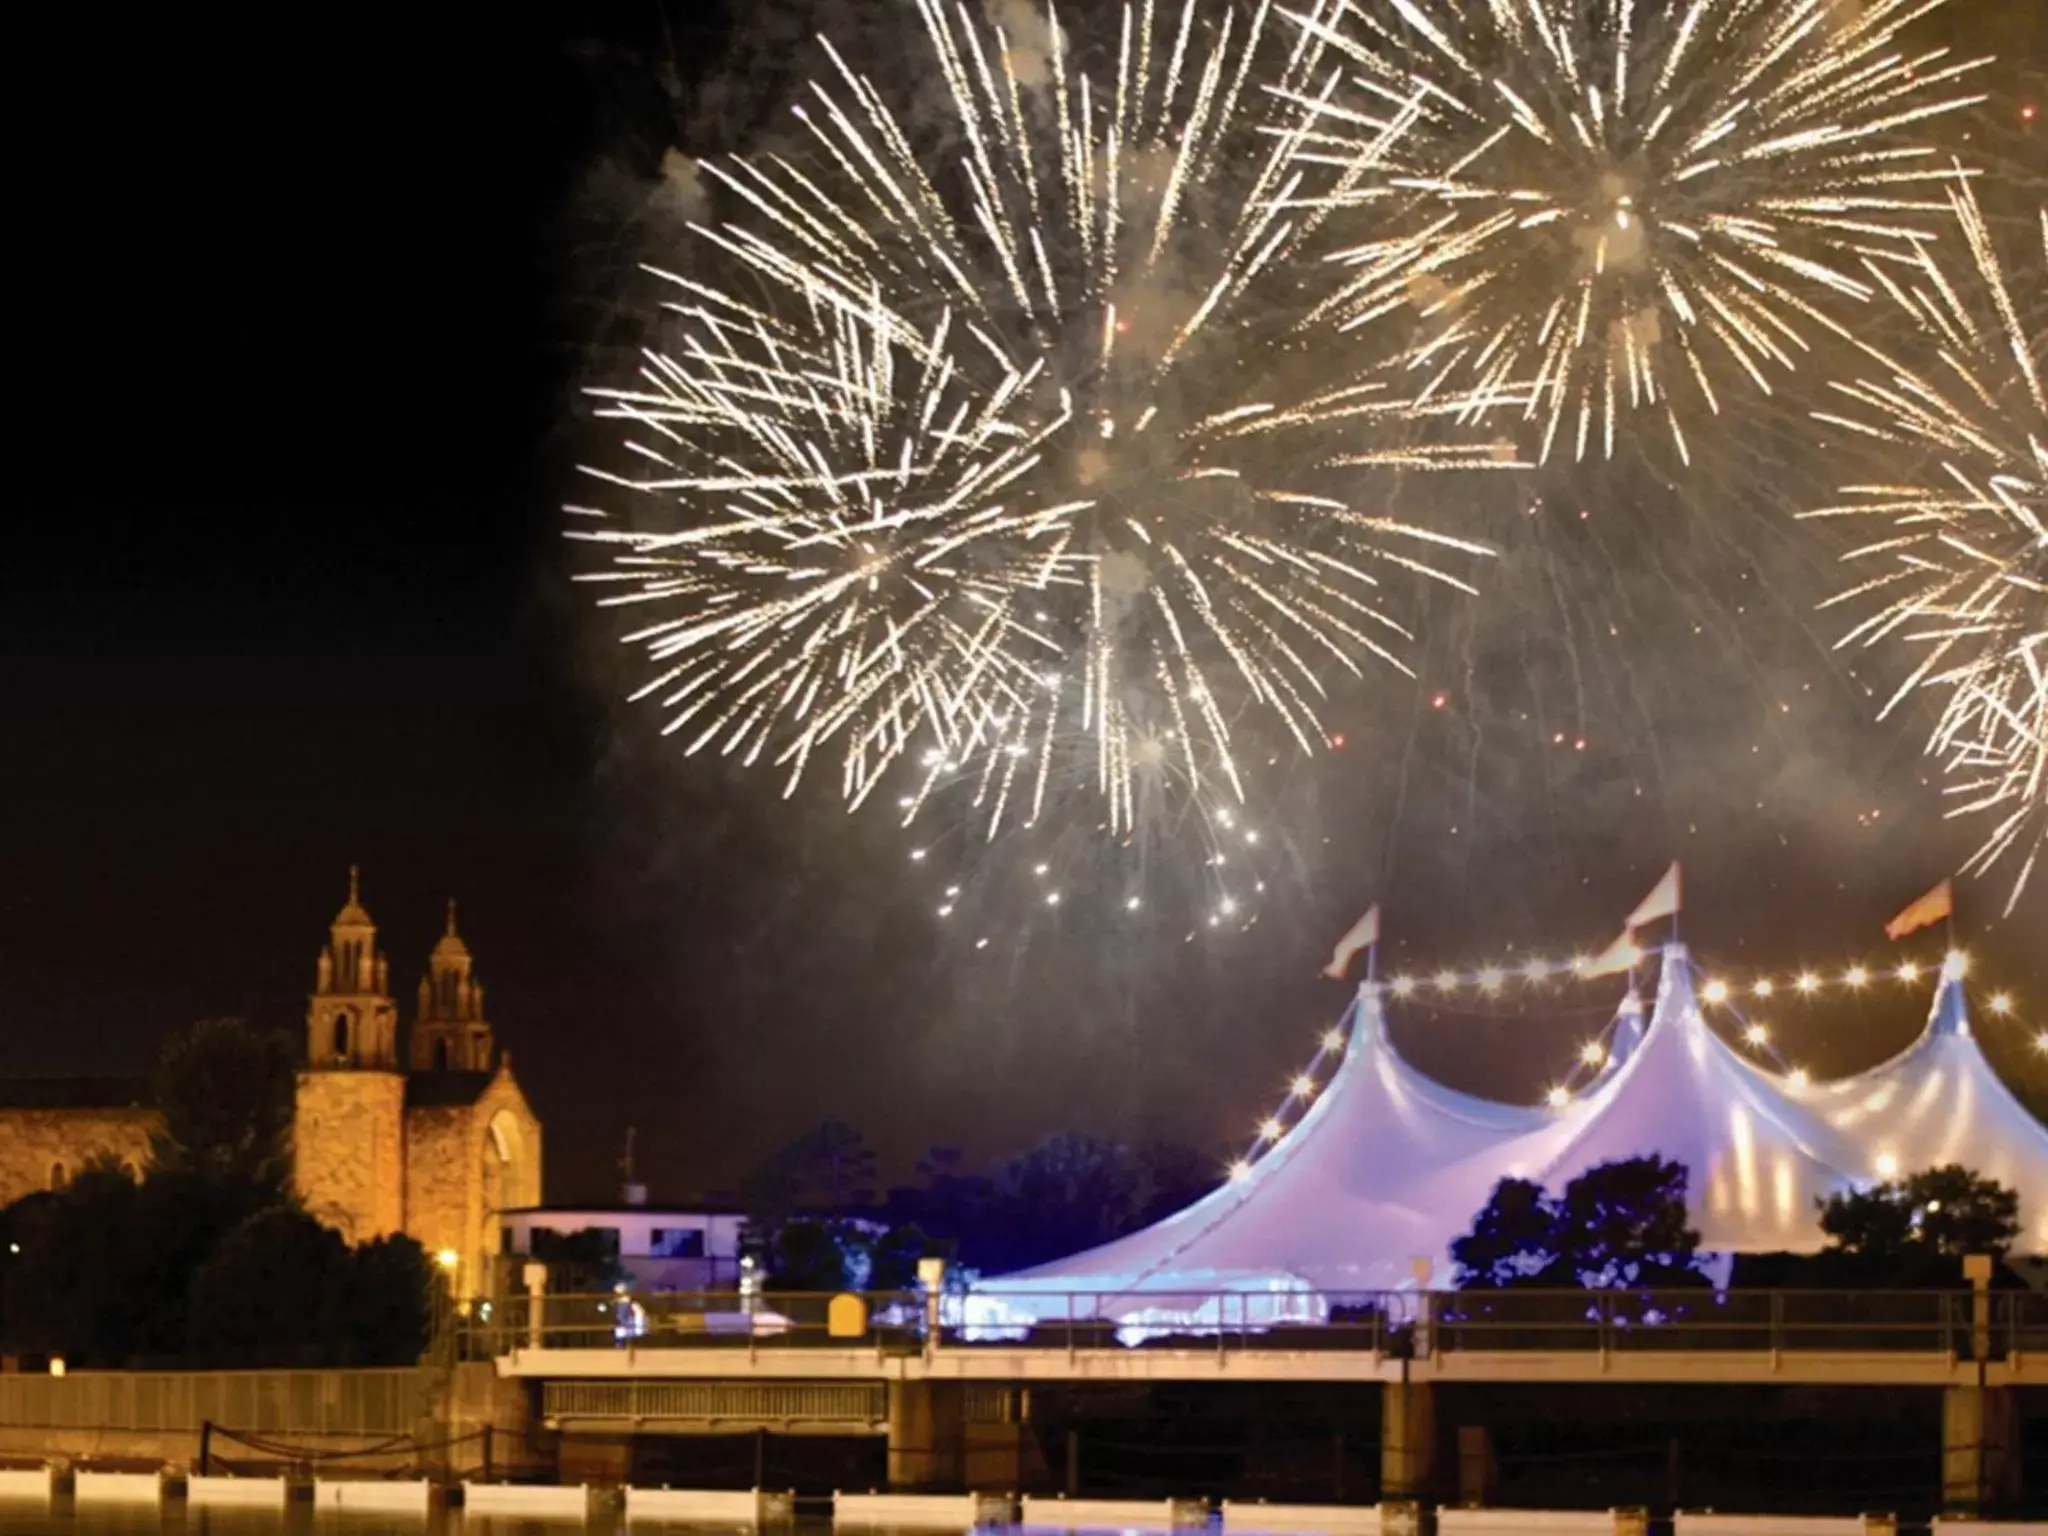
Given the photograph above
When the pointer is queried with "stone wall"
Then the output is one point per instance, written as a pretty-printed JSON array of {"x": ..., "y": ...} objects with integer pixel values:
[
  {"x": 348, "y": 1151},
  {"x": 34, "y": 1142},
  {"x": 151, "y": 1418},
  {"x": 439, "y": 1169}
]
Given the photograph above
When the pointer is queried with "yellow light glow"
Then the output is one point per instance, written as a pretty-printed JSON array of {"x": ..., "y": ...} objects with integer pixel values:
[
  {"x": 1240, "y": 1171},
  {"x": 2041, "y": 1041},
  {"x": 1764, "y": 988},
  {"x": 1808, "y": 982},
  {"x": 1537, "y": 970},
  {"x": 1797, "y": 1077},
  {"x": 1909, "y": 971},
  {"x": 2001, "y": 1002},
  {"x": 1489, "y": 980},
  {"x": 1856, "y": 976},
  {"x": 1580, "y": 962},
  {"x": 1403, "y": 985},
  {"x": 1558, "y": 1098},
  {"x": 1756, "y": 1034},
  {"x": 1956, "y": 965},
  {"x": 1447, "y": 981},
  {"x": 1304, "y": 1087},
  {"x": 1270, "y": 1131},
  {"x": 1333, "y": 1039},
  {"x": 1592, "y": 1053},
  {"x": 1887, "y": 1166},
  {"x": 1716, "y": 992},
  {"x": 448, "y": 1258}
]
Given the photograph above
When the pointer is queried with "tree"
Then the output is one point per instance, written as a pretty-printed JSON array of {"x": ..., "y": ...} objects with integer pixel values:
[
  {"x": 1947, "y": 1212},
  {"x": 226, "y": 1091},
  {"x": 1624, "y": 1224},
  {"x": 65, "y": 1290},
  {"x": 893, "y": 1258},
  {"x": 1513, "y": 1238},
  {"x": 271, "y": 1294},
  {"x": 808, "y": 1256},
  {"x": 828, "y": 1168},
  {"x": 388, "y": 1294},
  {"x": 957, "y": 1207},
  {"x": 1068, "y": 1193},
  {"x": 179, "y": 1218},
  {"x": 1619, "y": 1224},
  {"x": 1175, "y": 1176}
]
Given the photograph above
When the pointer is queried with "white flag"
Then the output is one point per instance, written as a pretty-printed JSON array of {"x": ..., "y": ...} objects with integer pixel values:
[
  {"x": 1621, "y": 955},
  {"x": 1363, "y": 935},
  {"x": 1661, "y": 902}
]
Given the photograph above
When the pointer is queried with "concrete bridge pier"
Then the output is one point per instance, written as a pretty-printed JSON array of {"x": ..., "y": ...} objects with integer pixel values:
[
  {"x": 936, "y": 1444},
  {"x": 927, "y": 1435},
  {"x": 1407, "y": 1440},
  {"x": 1980, "y": 1447}
]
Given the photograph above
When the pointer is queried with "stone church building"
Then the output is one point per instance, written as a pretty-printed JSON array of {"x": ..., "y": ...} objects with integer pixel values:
[{"x": 434, "y": 1140}]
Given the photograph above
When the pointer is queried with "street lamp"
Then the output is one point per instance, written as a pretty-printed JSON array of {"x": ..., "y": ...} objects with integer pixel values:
[{"x": 442, "y": 1298}]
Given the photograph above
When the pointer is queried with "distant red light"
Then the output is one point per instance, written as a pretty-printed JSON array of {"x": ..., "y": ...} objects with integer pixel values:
[
  {"x": 1337, "y": 740},
  {"x": 1439, "y": 701}
]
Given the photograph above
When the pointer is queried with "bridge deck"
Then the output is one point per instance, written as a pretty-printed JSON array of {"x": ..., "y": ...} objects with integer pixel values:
[
  {"x": 1871, "y": 1338},
  {"x": 1675, "y": 1367}
]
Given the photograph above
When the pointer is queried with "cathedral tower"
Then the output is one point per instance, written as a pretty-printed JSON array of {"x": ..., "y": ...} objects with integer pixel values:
[
  {"x": 349, "y": 1139},
  {"x": 352, "y": 1020},
  {"x": 449, "y": 1033}
]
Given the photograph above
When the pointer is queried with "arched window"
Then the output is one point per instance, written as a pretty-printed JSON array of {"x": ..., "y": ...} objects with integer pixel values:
[
  {"x": 440, "y": 1055},
  {"x": 341, "y": 1036},
  {"x": 57, "y": 1175}
]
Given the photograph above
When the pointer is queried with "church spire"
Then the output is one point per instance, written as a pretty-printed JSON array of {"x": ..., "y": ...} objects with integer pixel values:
[
  {"x": 351, "y": 1021},
  {"x": 449, "y": 1031}
]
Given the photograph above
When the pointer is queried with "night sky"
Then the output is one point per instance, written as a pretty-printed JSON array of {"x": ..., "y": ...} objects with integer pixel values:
[{"x": 299, "y": 319}]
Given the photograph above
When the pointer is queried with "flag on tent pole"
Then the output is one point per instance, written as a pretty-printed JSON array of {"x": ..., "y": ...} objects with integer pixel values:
[
  {"x": 1362, "y": 934},
  {"x": 1938, "y": 905},
  {"x": 1661, "y": 902},
  {"x": 1621, "y": 955}
]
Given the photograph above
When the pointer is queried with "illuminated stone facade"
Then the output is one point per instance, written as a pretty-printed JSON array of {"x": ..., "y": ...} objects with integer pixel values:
[{"x": 435, "y": 1151}]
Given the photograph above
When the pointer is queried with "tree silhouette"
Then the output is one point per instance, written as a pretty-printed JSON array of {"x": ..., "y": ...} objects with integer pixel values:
[
  {"x": 1947, "y": 1211},
  {"x": 1617, "y": 1224},
  {"x": 226, "y": 1093}
]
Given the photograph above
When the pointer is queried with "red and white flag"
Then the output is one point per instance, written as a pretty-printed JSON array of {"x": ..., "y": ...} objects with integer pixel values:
[
  {"x": 1937, "y": 906},
  {"x": 1362, "y": 934},
  {"x": 1661, "y": 902}
]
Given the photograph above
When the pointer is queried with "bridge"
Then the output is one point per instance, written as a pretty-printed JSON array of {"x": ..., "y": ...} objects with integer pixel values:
[
  {"x": 940, "y": 1385},
  {"x": 1868, "y": 1338}
]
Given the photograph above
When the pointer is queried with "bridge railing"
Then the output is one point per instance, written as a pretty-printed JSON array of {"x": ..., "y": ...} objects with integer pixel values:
[{"x": 1388, "y": 1323}]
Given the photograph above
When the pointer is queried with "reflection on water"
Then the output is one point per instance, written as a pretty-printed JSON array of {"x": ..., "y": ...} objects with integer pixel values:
[{"x": 64, "y": 1519}]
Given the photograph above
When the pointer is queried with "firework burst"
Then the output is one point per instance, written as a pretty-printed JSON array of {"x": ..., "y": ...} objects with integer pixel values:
[
  {"x": 1624, "y": 205},
  {"x": 1964, "y": 563},
  {"x": 996, "y": 448}
]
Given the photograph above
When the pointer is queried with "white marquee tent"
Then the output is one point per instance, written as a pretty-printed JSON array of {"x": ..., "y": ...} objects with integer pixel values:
[
  {"x": 1388, "y": 1167},
  {"x": 1938, "y": 1102}
]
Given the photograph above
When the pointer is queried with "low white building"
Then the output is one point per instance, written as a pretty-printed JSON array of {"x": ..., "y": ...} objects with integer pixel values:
[{"x": 663, "y": 1250}]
